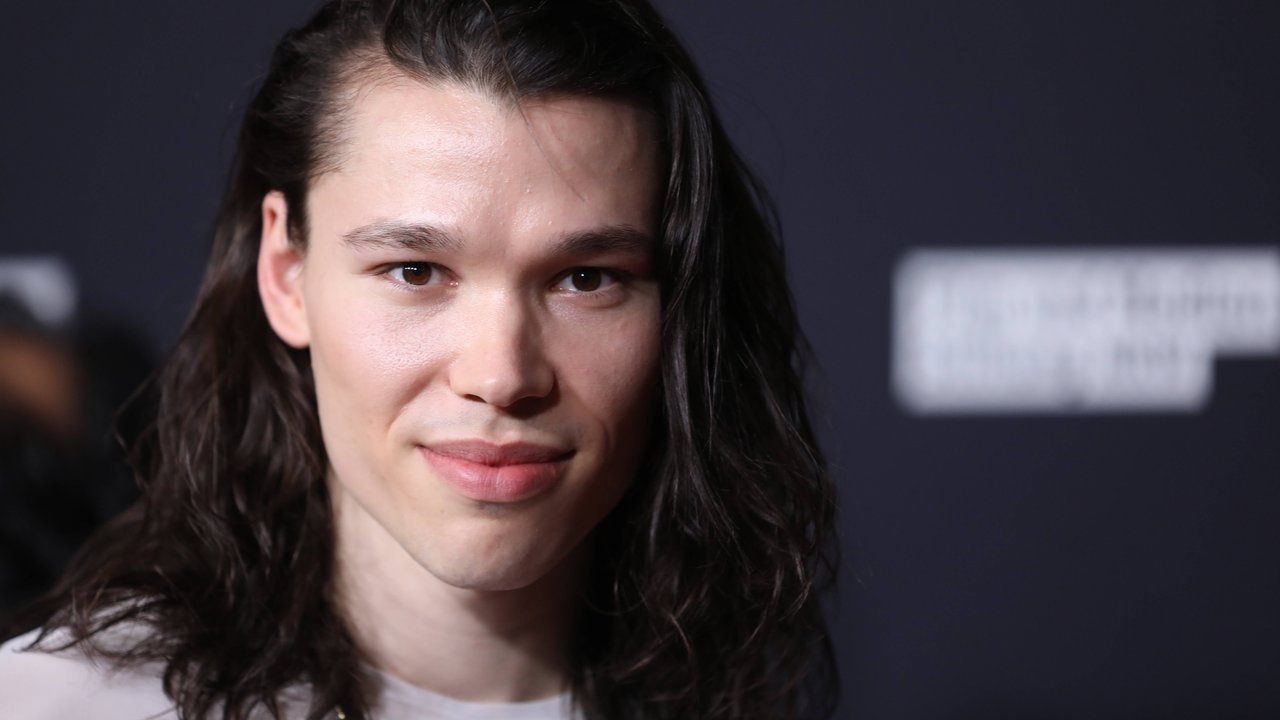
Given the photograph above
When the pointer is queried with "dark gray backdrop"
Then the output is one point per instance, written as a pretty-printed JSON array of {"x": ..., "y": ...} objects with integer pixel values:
[{"x": 1116, "y": 567}]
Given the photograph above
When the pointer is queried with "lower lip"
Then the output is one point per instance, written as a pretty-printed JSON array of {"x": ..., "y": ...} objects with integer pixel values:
[{"x": 495, "y": 483}]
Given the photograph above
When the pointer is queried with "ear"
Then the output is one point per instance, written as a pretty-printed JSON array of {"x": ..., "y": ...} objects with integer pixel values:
[{"x": 280, "y": 274}]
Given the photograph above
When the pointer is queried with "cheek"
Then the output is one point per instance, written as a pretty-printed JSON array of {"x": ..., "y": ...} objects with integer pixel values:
[
  {"x": 369, "y": 361},
  {"x": 611, "y": 373}
]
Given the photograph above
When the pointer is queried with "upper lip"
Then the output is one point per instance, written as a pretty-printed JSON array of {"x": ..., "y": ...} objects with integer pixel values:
[{"x": 486, "y": 453}]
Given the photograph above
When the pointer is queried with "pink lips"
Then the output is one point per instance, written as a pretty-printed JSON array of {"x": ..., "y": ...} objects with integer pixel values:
[{"x": 492, "y": 473}]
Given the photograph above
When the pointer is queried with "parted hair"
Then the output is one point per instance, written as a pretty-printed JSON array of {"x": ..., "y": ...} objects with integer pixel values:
[{"x": 703, "y": 596}]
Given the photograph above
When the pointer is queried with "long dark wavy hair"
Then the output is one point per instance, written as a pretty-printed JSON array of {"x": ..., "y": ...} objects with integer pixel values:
[{"x": 703, "y": 597}]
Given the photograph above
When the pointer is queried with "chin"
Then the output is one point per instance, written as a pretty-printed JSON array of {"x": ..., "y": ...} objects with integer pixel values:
[
  {"x": 494, "y": 564},
  {"x": 482, "y": 574},
  {"x": 486, "y": 580}
]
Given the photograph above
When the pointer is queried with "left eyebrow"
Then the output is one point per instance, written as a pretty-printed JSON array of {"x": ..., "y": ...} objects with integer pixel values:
[
  {"x": 418, "y": 237},
  {"x": 599, "y": 241}
]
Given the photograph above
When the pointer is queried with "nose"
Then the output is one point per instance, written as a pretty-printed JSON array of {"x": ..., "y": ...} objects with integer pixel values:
[{"x": 502, "y": 362}]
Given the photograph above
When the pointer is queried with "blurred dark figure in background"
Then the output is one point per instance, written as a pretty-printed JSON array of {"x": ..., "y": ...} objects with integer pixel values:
[{"x": 62, "y": 473}]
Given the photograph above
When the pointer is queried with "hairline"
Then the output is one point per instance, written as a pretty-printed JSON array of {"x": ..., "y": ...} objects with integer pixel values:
[{"x": 368, "y": 68}]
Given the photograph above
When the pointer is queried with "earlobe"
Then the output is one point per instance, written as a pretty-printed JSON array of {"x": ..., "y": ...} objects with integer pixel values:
[{"x": 280, "y": 274}]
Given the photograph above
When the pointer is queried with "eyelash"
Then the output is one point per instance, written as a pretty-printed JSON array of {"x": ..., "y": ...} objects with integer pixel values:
[{"x": 614, "y": 277}]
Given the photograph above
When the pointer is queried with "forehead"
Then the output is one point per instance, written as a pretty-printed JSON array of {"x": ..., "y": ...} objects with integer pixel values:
[
  {"x": 416, "y": 147},
  {"x": 402, "y": 113}
]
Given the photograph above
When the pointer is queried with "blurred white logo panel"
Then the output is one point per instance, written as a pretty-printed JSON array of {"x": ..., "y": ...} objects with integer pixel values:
[
  {"x": 43, "y": 285},
  {"x": 1077, "y": 330}
]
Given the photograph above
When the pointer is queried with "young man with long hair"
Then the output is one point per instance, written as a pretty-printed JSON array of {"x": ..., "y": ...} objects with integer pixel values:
[{"x": 489, "y": 405}]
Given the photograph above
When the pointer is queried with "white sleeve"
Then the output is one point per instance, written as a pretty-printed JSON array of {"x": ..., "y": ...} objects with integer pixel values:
[{"x": 52, "y": 686}]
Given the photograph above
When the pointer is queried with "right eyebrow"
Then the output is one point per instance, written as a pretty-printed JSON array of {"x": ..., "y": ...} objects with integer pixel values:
[
  {"x": 611, "y": 238},
  {"x": 413, "y": 237}
]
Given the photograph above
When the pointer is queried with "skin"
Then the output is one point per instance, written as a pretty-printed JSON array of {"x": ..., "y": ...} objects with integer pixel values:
[
  {"x": 41, "y": 381},
  {"x": 499, "y": 343}
]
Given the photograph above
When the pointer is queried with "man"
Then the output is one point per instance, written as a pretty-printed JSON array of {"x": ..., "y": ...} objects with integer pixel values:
[{"x": 487, "y": 407}]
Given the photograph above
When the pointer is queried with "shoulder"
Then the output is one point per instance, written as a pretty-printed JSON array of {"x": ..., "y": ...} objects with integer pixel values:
[{"x": 41, "y": 684}]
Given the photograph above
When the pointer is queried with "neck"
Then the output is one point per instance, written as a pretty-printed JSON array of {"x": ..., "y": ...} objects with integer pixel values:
[{"x": 473, "y": 645}]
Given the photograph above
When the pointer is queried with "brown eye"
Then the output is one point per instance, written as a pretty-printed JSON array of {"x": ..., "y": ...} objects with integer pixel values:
[
  {"x": 414, "y": 273},
  {"x": 586, "y": 279}
]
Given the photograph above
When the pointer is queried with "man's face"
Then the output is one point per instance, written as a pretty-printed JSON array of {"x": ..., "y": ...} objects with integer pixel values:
[{"x": 483, "y": 319}]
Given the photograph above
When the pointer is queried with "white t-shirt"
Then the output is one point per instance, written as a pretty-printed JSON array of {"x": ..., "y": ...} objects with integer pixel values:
[{"x": 37, "y": 685}]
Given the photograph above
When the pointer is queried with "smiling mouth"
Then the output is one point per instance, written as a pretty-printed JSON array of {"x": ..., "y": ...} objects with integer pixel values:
[{"x": 490, "y": 473}]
